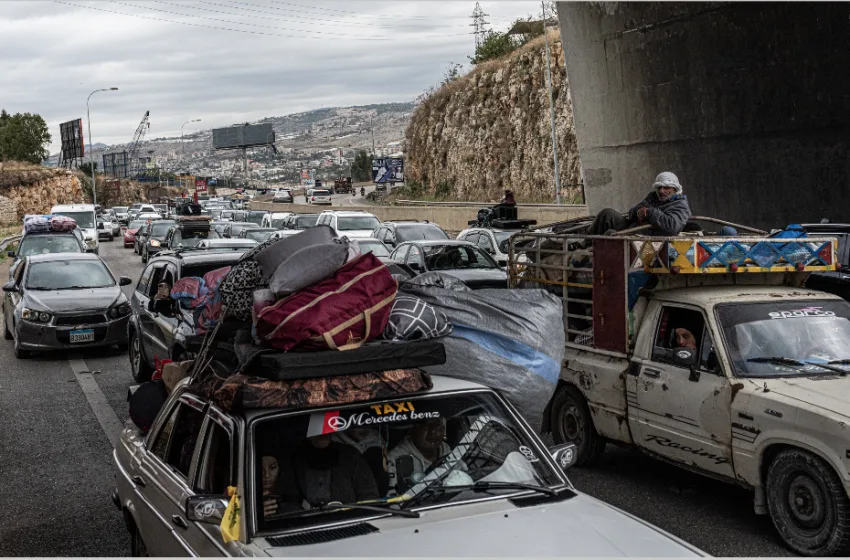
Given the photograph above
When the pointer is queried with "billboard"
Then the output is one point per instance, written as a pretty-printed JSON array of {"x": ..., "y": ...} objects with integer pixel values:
[
  {"x": 388, "y": 170},
  {"x": 115, "y": 164},
  {"x": 200, "y": 185},
  {"x": 243, "y": 136},
  {"x": 73, "y": 145}
]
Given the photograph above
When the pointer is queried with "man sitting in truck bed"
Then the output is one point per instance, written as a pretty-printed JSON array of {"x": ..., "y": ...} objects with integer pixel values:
[{"x": 665, "y": 208}]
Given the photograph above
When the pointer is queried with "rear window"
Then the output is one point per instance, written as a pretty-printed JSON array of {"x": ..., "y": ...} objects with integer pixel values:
[
  {"x": 419, "y": 231},
  {"x": 41, "y": 244},
  {"x": 357, "y": 222},
  {"x": 320, "y": 193},
  {"x": 304, "y": 222}
]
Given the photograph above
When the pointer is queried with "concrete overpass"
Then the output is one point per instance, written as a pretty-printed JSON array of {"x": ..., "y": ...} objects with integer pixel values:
[{"x": 748, "y": 103}]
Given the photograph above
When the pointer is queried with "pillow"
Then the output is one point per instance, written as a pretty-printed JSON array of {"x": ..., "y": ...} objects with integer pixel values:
[
  {"x": 270, "y": 258},
  {"x": 307, "y": 266}
]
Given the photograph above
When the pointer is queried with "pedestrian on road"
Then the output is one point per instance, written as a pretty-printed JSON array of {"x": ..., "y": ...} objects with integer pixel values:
[{"x": 665, "y": 209}]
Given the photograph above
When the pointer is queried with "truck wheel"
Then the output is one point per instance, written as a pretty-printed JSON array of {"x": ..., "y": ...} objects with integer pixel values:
[
  {"x": 137, "y": 544},
  {"x": 808, "y": 504},
  {"x": 571, "y": 423}
]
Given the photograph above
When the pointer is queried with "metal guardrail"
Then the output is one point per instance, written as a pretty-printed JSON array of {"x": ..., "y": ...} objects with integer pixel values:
[
  {"x": 481, "y": 204},
  {"x": 8, "y": 240}
]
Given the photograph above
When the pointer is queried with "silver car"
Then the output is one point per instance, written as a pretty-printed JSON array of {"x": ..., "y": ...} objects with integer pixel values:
[
  {"x": 64, "y": 300},
  {"x": 449, "y": 471}
]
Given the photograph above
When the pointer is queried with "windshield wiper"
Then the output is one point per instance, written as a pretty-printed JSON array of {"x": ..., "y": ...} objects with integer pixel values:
[
  {"x": 481, "y": 486},
  {"x": 791, "y": 362},
  {"x": 334, "y": 506}
]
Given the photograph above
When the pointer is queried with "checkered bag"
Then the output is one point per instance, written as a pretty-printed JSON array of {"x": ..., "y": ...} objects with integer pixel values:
[{"x": 413, "y": 319}]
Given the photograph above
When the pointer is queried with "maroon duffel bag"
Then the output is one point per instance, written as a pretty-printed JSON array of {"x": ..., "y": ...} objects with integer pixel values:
[{"x": 342, "y": 312}]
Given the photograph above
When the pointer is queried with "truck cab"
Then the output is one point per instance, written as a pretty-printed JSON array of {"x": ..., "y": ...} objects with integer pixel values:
[{"x": 709, "y": 353}]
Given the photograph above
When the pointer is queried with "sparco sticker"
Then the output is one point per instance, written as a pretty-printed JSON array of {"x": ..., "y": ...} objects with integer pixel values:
[{"x": 805, "y": 312}]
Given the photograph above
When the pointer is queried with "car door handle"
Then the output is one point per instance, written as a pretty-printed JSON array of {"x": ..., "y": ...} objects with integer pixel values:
[
  {"x": 138, "y": 481},
  {"x": 179, "y": 522},
  {"x": 654, "y": 373}
]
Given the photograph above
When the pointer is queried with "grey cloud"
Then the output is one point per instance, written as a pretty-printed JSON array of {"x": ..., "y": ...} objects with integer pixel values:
[{"x": 54, "y": 55}]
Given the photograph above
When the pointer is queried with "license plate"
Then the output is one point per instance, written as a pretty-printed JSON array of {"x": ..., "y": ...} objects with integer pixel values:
[{"x": 85, "y": 335}]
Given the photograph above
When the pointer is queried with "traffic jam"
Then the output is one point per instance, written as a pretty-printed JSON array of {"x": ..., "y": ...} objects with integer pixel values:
[{"x": 328, "y": 383}]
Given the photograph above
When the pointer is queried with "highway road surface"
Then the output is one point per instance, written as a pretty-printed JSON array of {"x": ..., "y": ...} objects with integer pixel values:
[{"x": 61, "y": 412}]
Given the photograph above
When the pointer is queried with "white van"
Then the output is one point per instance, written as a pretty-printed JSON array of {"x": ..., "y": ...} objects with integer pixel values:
[{"x": 85, "y": 216}]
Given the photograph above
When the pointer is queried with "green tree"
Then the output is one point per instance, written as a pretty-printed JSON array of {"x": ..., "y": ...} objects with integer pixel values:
[
  {"x": 361, "y": 168},
  {"x": 23, "y": 137},
  {"x": 495, "y": 45},
  {"x": 86, "y": 168}
]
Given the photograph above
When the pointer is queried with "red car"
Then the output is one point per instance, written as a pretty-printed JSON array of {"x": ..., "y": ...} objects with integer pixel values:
[{"x": 130, "y": 233}]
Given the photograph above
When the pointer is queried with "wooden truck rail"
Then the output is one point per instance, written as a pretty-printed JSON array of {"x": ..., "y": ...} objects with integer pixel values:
[{"x": 592, "y": 274}]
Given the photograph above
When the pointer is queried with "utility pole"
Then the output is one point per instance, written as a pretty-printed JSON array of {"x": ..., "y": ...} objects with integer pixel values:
[
  {"x": 372, "y": 128},
  {"x": 478, "y": 24},
  {"x": 91, "y": 143},
  {"x": 551, "y": 110}
]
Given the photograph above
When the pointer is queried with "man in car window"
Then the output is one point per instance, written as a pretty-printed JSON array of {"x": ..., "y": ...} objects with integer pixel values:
[
  {"x": 320, "y": 471},
  {"x": 685, "y": 339},
  {"x": 424, "y": 445}
]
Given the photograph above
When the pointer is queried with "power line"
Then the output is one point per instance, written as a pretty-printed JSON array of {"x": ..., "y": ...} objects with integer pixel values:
[
  {"x": 268, "y": 15},
  {"x": 199, "y": 24},
  {"x": 239, "y": 22},
  {"x": 352, "y": 13}
]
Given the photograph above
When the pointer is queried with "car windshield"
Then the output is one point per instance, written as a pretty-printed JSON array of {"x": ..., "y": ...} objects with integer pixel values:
[
  {"x": 160, "y": 228},
  {"x": 416, "y": 232},
  {"x": 357, "y": 222},
  {"x": 83, "y": 219},
  {"x": 454, "y": 257},
  {"x": 375, "y": 247},
  {"x": 420, "y": 451},
  {"x": 136, "y": 225},
  {"x": 119, "y": 209},
  {"x": 258, "y": 236},
  {"x": 502, "y": 238},
  {"x": 307, "y": 221},
  {"x": 802, "y": 334},
  {"x": 226, "y": 214},
  {"x": 191, "y": 238},
  {"x": 277, "y": 223},
  {"x": 218, "y": 227},
  {"x": 67, "y": 275},
  {"x": 239, "y": 228},
  {"x": 41, "y": 244},
  {"x": 255, "y": 217}
]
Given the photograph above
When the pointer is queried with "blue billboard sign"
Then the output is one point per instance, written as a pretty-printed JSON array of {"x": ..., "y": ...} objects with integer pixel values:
[{"x": 388, "y": 170}]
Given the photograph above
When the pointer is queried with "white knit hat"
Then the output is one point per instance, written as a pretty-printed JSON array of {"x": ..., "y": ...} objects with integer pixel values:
[{"x": 667, "y": 179}]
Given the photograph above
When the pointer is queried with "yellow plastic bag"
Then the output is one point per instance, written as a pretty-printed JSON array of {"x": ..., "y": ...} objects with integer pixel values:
[{"x": 230, "y": 523}]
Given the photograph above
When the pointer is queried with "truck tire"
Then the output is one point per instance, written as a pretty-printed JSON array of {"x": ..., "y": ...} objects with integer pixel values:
[
  {"x": 571, "y": 423},
  {"x": 808, "y": 504}
]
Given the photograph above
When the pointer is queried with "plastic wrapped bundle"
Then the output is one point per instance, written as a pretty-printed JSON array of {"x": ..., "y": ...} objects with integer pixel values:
[{"x": 510, "y": 340}]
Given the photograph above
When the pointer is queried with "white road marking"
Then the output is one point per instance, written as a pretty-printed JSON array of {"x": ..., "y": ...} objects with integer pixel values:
[{"x": 107, "y": 418}]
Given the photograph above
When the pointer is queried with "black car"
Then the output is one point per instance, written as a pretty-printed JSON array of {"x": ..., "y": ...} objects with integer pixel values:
[
  {"x": 233, "y": 229},
  {"x": 154, "y": 239},
  {"x": 162, "y": 328},
  {"x": 300, "y": 221},
  {"x": 395, "y": 232},
  {"x": 257, "y": 234},
  {"x": 141, "y": 238},
  {"x": 187, "y": 235},
  {"x": 837, "y": 282},
  {"x": 460, "y": 259}
]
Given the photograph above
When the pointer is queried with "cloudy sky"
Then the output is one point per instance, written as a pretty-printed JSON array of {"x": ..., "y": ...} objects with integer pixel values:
[{"x": 225, "y": 61}]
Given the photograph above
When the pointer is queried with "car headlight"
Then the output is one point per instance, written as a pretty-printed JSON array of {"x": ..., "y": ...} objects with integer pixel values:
[
  {"x": 35, "y": 316},
  {"x": 155, "y": 243},
  {"x": 120, "y": 310}
]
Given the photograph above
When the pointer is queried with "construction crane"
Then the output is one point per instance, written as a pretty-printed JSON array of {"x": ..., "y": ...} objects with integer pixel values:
[{"x": 135, "y": 163}]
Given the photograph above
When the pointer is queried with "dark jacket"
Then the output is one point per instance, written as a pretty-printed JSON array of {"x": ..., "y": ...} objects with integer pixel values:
[
  {"x": 668, "y": 217},
  {"x": 337, "y": 473}
]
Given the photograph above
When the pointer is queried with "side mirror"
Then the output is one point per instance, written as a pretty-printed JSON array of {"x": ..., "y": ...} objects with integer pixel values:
[
  {"x": 206, "y": 509},
  {"x": 10, "y": 286},
  {"x": 100, "y": 225},
  {"x": 564, "y": 455},
  {"x": 415, "y": 266},
  {"x": 685, "y": 357},
  {"x": 11, "y": 254},
  {"x": 125, "y": 281}
]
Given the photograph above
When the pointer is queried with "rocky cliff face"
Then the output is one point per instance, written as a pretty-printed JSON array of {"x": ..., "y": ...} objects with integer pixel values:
[
  {"x": 32, "y": 189},
  {"x": 490, "y": 130}
]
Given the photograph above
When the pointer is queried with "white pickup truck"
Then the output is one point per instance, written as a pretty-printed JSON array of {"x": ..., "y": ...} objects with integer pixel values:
[{"x": 707, "y": 352}]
